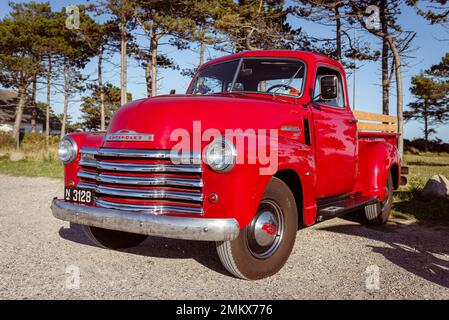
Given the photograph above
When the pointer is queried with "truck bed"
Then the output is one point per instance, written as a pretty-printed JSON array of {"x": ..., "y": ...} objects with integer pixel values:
[{"x": 376, "y": 126}]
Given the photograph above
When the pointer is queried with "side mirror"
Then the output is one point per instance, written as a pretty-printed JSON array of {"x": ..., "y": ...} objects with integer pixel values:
[
  {"x": 172, "y": 91},
  {"x": 328, "y": 85}
]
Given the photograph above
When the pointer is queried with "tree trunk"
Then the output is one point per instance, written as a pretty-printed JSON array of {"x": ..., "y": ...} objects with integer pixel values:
[
  {"x": 67, "y": 75},
  {"x": 399, "y": 97},
  {"x": 123, "y": 97},
  {"x": 202, "y": 44},
  {"x": 47, "y": 111},
  {"x": 19, "y": 113},
  {"x": 426, "y": 128},
  {"x": 385, "y": 53},
  {"x": 153, "y": 66},
  {"x": 33, "y": 103},
  {"x": 148, "y": 76},
  {"x": 338, "y": 33},
  {"x": 202, "y": 48},
  {"x": 33, "y": 119},
  {"x": 100, "y": 87}
]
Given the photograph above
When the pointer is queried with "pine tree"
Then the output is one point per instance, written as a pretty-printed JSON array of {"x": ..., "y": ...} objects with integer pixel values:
[
  {"x": 91, "y": 114},
  {"x": 430, "y": 106},
  {"x": 340, "y": 46},
  {"x": 257, "y": 24},
  {"x": 160, "y": 19},
  {"x": 398, "y": 42},
  {"x": 19, "y": 59}
]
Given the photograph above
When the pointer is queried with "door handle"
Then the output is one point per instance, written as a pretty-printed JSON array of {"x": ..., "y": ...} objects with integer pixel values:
[{"x": 353, "y": 121}]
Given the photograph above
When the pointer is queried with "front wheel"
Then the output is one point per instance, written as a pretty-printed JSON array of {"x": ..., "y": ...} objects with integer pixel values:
[
  {"x": 264, "y": 245},
  {"x": 112, "y": 239},
  {"x": 379, "y": 217}
]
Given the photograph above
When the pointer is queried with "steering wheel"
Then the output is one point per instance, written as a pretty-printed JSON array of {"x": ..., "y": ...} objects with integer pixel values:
[{"x": 286, "y": 86}]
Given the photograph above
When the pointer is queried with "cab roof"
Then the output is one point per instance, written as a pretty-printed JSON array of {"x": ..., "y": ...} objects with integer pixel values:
[{"x": 306, "y": 56}]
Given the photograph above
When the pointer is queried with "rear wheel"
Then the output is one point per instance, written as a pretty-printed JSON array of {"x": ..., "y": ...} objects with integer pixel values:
[
  {"x": 112, "y": 239},
  {"x": 264, "y": 245},
  {"x": 379, "y": 217}
]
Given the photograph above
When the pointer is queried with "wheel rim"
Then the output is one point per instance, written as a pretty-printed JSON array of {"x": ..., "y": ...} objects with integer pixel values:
[{"x": 266, "y": 230}]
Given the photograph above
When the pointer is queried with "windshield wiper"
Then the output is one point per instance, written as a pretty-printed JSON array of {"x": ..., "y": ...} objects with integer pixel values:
[{"x": 289, "y": 81}]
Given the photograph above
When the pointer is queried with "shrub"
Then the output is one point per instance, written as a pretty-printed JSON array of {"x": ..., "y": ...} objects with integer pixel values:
[
  {"x": 6, "y": 140},
  {"x": 417, "y": 145},
  {"x": 36, "y": 141}
]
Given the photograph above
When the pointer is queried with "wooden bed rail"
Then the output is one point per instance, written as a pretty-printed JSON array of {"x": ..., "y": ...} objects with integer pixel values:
[{"x": 368, "y": 121}]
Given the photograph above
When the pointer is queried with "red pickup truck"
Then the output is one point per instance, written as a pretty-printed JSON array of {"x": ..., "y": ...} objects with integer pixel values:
[{"x": 262, "y": 144}]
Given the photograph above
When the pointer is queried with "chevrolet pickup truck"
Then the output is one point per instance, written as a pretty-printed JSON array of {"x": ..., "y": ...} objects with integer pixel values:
[{"x": 262, "y": 144}]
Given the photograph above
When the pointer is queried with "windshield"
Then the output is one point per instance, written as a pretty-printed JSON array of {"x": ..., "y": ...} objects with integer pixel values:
[{"x": 257, "y": 75}]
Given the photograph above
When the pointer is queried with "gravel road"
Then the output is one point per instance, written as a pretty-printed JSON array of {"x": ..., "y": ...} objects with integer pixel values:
[{"x": 40, "y": 257}]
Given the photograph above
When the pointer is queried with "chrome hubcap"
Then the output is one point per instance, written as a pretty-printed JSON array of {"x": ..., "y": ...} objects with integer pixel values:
[
  {"x": 265, "y": 232},
  {"x": 265, "y": 228}
]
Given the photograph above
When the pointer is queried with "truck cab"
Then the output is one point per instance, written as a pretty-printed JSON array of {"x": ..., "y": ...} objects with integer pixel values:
[{"x": 262, "y": 144}]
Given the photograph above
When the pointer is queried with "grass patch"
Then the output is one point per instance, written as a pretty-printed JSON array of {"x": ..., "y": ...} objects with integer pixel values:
[
  {"x": 39, "y": 164},
  {"x": 408, "y": 202}
]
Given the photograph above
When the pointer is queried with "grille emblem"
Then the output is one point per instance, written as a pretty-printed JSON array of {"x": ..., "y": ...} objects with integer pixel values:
[{"x": 129, "y": 135}]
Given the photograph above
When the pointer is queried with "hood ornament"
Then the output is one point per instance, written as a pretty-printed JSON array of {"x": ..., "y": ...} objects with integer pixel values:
[{"x": 129, "y": 135}]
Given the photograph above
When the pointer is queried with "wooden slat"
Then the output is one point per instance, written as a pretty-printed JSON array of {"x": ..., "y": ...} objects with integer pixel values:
[
  {"x": 361, "y": 115},
  {"x": 376, "y": 127}
]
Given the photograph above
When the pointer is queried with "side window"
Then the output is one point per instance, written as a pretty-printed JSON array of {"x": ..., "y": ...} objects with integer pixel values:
[{"x": 340, "y": 101}]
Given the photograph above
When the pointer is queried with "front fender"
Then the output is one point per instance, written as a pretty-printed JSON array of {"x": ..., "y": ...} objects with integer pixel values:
[
  {"x": 84, "y": 139},
  {"x": 376, "y": 159},
  {"x": 241, "y": 189}
]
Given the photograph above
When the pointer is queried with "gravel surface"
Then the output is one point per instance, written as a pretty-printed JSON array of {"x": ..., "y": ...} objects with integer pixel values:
[{"x": 40, "y": 256}]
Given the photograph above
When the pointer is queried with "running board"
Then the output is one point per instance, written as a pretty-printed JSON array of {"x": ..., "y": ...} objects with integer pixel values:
[{"x": 328, "y": 209}]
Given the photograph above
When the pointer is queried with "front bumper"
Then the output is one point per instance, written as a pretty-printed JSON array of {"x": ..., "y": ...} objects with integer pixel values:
[{"x": 149, "y": 224}]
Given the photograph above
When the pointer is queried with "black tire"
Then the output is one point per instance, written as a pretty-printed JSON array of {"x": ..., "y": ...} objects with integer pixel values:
[
  {"x": 244, "y": 257},
  {"x": 380, "y": 217},
  {"x": 112, "y": 239}
]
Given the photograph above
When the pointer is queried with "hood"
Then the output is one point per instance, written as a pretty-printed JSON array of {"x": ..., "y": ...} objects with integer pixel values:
[{"x": 162, "y": 115}]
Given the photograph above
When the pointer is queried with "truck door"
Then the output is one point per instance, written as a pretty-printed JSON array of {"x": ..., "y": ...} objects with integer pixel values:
[{"x": 335, "y": 139}]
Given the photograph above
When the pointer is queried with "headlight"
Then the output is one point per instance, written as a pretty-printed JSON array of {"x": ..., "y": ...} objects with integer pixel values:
[
  {"x": 67, "y": 149},
  {"x": 221, "y": 155}
]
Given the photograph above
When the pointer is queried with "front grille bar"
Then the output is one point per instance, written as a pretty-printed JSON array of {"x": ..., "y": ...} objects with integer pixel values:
[
  {"x": 174, "y": 156},
  {"x": 132, "y": 167},
  {"x": 140, "y": 181},
  {"x": 145, "y": 194},
  {"x": 127, "y": 176},
  {"x": 151, "y": 209}
]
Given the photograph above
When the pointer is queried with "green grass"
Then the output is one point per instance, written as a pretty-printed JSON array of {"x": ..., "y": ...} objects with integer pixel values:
[
  {"x": 409, "y": 204},
  {"x": 33, "y": 166}
]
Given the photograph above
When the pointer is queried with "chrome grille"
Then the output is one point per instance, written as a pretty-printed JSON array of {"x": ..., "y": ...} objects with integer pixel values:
[{"x": 147, "y": 181}]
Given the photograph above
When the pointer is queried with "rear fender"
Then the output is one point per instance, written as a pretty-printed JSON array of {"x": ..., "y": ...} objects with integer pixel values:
[{"x": 376, "y": 159}]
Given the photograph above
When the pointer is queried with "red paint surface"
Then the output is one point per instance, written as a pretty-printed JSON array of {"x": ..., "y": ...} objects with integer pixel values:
[{"x": 339, "y": 160}]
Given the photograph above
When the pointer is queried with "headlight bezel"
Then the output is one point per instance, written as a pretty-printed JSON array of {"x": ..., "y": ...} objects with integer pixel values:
[
  {"x": 74, "y": 149},
  {"x": 227, "y": 144}
]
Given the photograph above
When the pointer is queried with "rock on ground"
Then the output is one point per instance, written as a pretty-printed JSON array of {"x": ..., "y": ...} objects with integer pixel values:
[{"x": 436, "y": 187}]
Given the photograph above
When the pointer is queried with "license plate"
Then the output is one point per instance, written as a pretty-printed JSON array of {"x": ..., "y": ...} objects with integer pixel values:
[{"x": 79, "y": 195}]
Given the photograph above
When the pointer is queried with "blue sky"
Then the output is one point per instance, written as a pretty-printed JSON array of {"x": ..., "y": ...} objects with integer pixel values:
[{"x": 429, "y": 50}]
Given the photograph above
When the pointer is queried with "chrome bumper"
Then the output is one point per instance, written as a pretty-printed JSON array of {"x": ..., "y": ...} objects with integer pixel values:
[{"x": 149, "y": 224}]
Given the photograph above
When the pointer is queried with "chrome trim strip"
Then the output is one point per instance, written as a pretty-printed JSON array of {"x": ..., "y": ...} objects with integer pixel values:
[
  {"x": 140, "y": 181},
  {"x": 154, "y": 225},
  {"x": 191, "y": 157},
  {"x": 133, "y": 167},
  {"x": 146, "y": 194},
  {"x": 150, "y": 209}
]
